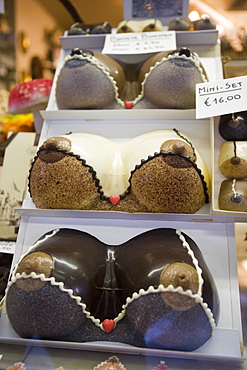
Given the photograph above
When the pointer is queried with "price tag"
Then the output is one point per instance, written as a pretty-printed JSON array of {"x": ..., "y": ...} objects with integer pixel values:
[
  {"x": 221, "y": 97},
  {"x": 7, "y": 247},
  {"x": 139, "y": 42}
]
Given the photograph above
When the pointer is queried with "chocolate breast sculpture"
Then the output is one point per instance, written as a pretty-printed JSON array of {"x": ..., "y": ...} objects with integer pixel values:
[
  {"x": 159, "y": 172},
  {"x": 153, "y": 290},
  {"x": 89, "y": 80},
  {"x": 92, "y": 80},
  {"x": 168, "y": 80}
]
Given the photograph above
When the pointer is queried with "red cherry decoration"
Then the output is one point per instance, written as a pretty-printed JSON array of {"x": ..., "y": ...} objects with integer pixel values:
[
  {"x": 114, "y": 199},
  {"x": 108, "y": 325},
  {"x": 129, "y": 104}
]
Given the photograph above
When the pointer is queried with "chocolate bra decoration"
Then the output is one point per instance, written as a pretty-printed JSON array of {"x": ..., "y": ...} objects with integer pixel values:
[
  {"x": 90, "y": 172},
  {"x": 92, "y": 80},
  {"x": 154, "y": 290}
]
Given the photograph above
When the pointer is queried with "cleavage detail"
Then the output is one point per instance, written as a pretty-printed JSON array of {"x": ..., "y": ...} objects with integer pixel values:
[{"x": 106, "y": 276}]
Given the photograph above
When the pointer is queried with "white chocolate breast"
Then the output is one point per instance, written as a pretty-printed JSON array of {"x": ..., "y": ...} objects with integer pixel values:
[{"x": 114, "y": 161}]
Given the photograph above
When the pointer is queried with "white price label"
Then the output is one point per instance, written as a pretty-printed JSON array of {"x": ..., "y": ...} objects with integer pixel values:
[
  {"x": 221, "y": 97},
  {"x": 7, "y": 247},
  {"x": 139, "y": 42}
]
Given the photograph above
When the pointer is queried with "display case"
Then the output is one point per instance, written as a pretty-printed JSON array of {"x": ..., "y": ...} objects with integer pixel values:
[{"x": 212, "y": 229}]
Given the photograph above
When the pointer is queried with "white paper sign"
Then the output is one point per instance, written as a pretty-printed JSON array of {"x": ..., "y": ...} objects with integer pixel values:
[
  {"x": 7, "y": 247},
  {"x": 221, "y": 97},
  {"x": 139, "y": 42}
]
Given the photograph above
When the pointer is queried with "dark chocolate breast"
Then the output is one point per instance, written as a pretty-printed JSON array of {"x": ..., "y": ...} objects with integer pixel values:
[{"x": 104, "y": 276}]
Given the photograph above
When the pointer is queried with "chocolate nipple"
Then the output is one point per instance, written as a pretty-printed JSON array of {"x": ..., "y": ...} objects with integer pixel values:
[
  {"x": 83, "y": 52},
  {"x": 177, "y": 147},
  {"x": 235, "y": 160},
  {"x": 184, "y": 51},
  {"x": 58, "y": 143}
]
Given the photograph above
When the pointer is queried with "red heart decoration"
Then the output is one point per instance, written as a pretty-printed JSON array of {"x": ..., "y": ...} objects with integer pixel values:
[
  {"x": 108, "y": 325},
  {"x": 114, "y": 199},
  {"x": 128, "y": 104}
]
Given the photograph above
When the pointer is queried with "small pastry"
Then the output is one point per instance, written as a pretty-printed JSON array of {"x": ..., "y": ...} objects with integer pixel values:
[
  {"x": 77, "y": 29},
  {"x": 180, "y": 24},
  {"x": 233, "y": 159},
  {"x": 233, "y": 195},
  {"x": 204, "y": 24},
  {"x": 233, "y": 127},
  {"x": 86, "y": 29}
]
